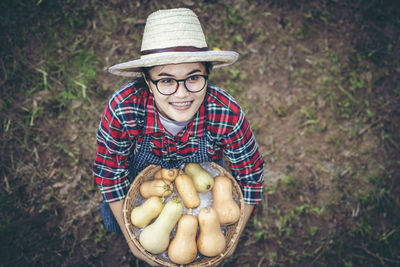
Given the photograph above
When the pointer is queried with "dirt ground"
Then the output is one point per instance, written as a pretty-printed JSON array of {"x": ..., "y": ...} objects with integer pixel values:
[{"x": 319, "y": 83}]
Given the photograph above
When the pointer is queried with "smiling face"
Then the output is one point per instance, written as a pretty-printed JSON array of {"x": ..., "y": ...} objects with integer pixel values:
[{"x": 182, "y": 105}]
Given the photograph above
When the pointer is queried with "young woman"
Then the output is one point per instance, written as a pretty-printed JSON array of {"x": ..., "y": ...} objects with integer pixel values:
[{"x": 170, "y": 115}]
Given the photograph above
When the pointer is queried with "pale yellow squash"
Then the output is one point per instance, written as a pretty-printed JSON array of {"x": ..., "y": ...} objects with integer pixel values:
[
  {"x": 143, "y": 214},
  {"x": 203, "y": 181},
  {"x": 156, "y": 236}
]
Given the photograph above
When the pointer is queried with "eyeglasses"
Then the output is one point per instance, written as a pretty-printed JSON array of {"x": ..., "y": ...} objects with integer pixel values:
[{"x": 168, "y": 86}]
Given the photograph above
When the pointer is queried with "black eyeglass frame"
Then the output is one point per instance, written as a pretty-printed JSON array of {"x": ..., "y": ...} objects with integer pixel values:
[{"x": 155, "y": 82}]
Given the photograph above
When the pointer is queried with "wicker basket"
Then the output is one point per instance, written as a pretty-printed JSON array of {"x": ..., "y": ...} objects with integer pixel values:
[{"x": 131, "y": 201}]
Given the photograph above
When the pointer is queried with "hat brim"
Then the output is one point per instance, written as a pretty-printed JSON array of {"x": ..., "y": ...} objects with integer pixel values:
[{"x": 133, "y": 68}]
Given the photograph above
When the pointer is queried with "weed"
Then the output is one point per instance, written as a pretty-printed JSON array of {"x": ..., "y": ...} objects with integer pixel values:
[
  {"x": 44, "y": 74},
  {"x": 262, "y": 234},
  {"x": 238, "y": 38},
  {"x": 299, "y": 34},
  {"x": 309, "y": 112},
  {"x": 234, "y": 88},
  {"x": 301, "y": 210},
  {"x": 290, "y": 181},
  {"x": 309, "y": 123},
  {"x": 334, "y": 57},
  {"x": 234, "y": 73},
  {"x": 271, "y": 189},
  {"x": 317, "y": 210},
  {"x": 281, "y": 110},
  {"x": 272, "y": 258},
  {"x": 48, "y": 202},
  {"x": 66, "y": 150},
  {"x": 322, "y": 169},
  {"x": 313, "y": 230},
  {"x": 334, "y": 140},
  {"x": 101, "y": 235},
  {"x": 234, "y": 15}
]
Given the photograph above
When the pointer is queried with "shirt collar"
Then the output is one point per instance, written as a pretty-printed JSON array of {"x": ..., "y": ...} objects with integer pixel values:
[{"x": 153, "y": 124}]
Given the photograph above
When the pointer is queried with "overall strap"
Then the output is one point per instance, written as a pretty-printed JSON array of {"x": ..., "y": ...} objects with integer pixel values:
[
  {"x": 201, "y": 155},
  {"x": 143, "y": 158}
]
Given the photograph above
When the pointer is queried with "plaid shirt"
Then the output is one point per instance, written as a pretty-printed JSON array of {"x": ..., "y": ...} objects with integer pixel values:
[{"x": 131, "y": 113}]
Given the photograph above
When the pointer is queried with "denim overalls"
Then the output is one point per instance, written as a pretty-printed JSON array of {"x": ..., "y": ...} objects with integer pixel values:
[{"x": 144, "y": 158}]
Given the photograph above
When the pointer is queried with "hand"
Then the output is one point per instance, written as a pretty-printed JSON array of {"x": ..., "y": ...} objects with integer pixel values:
[{"x": 116, "y": 208}]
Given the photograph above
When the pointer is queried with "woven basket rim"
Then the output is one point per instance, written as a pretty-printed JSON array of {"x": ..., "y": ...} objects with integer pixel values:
[{"x": 211, "y": 261}]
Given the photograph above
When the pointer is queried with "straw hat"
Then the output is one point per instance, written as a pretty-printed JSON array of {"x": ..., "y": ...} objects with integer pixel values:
[{"x": 173, "y": 36}]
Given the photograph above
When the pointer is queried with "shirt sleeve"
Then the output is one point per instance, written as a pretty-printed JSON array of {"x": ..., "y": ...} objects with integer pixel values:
[
  {"x": 110, "y": 168},
  {"x": 246, "y": 162}
]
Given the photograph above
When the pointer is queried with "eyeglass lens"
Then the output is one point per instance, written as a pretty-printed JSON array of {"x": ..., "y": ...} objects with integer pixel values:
[{"x": 169, "y": 86}]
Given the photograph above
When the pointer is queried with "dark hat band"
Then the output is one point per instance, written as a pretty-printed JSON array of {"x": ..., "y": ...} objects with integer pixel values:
[{"x": 173, "y": 49}]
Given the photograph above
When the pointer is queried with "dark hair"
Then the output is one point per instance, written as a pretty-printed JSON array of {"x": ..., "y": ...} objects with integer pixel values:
[
  {"x": 146, "y": 70},
  {"x": 208, "y": 66}
]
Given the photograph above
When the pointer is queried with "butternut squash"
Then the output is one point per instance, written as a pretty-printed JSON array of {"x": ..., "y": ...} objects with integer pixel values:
[
  {"x": 227, "y": 209},
  {"x": 187, "y": 191},
  {"x": 156, "y": 188},
  {"x": 158, "y": 174},
  {"x": 202, "y": 179},
  {"x": 155, "y": 237},
  {"x": 143, "y": 214},
  {"x": 166, "y": 174},
  {"x": 183, "y": 247},
  {"x": 211, "y": 241},
  {"x": 169, "y": 174}
]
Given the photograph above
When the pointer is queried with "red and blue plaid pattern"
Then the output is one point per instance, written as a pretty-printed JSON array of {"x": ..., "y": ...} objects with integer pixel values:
[{"x": 131, "y": 114}]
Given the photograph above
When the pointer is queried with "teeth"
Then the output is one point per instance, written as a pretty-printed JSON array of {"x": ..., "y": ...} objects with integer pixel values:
[{"x": 181, "y": 104}]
